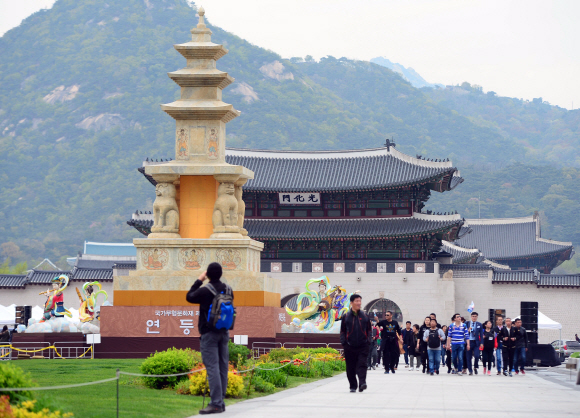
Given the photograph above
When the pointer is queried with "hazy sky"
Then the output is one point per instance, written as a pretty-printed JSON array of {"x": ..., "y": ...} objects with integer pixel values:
[{"x": 524, "y": 48}]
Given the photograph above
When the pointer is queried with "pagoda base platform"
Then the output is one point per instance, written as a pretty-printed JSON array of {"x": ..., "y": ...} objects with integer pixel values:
[{"x": 156, "y": 322}]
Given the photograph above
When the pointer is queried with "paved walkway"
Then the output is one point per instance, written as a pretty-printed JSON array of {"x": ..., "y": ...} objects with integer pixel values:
[{"x": 414, "y": 394}]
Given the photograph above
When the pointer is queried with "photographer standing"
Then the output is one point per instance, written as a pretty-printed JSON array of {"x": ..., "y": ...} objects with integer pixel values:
[{"x": 214, "y": 342}]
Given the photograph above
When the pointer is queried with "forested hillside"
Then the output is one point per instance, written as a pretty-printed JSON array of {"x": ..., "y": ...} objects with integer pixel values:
[
  {"x": 80, "y": 89},
  {"x": 548, "y": 133}
]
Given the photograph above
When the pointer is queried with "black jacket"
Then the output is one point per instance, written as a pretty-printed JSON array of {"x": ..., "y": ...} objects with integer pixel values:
[
  {"x": 521, "y": 337},
  {"x": 422, "y": 343},
  {"x": 413, "y": 338},
  {"x": 407, "y": 336},
  {"x": 204, "y": 298},
  {"x": 355, "y": 330},
  {"x": 505, "y": 333}
]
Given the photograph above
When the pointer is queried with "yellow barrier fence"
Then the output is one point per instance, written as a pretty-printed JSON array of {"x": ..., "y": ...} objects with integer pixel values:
[{"x": 28, "y": 351}]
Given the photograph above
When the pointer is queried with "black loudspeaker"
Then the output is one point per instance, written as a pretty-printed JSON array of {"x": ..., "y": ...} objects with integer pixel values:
[
  {"x": 532, "y": 337},
  {"x": 23, "y": 314},
  {"x": 529, "y": 316}
]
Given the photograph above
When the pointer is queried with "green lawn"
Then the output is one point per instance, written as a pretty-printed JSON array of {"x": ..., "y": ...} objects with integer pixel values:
[{"x": 98, "y": 401}]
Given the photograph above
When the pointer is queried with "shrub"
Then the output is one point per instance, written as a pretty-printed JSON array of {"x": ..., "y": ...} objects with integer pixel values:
[
  {"x": 279, "y": 354},
  {"x": 235, "y": 385},
  {"x": 29, "y": 409},
  {"x": 575, "y": 355},
  {"x": 170, "y": 361},
  {"x": 5, "y": 410},
  {"x": 276, "y": 377},
  {"x": 199, "y": 386},
  {"x": 14, "y": 377},
  {"x": 261, "y": 385},
  {"x": 239, "y": 354},
  {"x": 182, "y": 388}
]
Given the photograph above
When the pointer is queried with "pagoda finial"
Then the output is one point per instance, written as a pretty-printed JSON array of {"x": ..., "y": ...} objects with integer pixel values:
[
  {"x": 201, "y": 13},
  {"x": 201, "y": 33}
]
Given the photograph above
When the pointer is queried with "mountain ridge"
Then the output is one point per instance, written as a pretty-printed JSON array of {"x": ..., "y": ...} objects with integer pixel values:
[
  {"x": 408, "y": 73},
  {"x": 82, "y": 84}
]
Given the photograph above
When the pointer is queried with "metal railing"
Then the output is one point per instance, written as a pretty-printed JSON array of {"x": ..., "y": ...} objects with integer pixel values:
[
  {"x": 70, "y": 350},
  {"x": 258, "y": 351},
  {"x": 31, "y": 348}
]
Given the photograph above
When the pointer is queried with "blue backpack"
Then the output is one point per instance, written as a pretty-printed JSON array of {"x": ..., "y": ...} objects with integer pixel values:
[{"x": 222, "y": 313}]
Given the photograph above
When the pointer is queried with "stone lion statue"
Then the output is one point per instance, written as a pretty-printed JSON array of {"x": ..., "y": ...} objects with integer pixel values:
[
  {"x": 241, "y": 208},
  {"x": 165, "y": 211},
  {"x": 225, "y": 210}
]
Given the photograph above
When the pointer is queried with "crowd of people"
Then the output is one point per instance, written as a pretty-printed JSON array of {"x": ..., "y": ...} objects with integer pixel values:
[{"x": 460, "y": 346}]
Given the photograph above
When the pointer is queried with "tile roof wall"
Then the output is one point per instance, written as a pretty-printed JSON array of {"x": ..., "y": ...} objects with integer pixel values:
[
  {"x": 12, "y": 280},
  {"x": 559, "y": 280},
  {"x": 92, "y": 274},
  {"x": 515, "y": 276},
  {"x": 44, "y": 276}
]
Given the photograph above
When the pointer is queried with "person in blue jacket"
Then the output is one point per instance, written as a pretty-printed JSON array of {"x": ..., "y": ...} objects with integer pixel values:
[{"x": 475, "y": 329}]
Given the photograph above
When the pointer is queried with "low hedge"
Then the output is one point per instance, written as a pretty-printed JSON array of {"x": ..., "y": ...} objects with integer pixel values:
[{"x": 171, "y": 361}]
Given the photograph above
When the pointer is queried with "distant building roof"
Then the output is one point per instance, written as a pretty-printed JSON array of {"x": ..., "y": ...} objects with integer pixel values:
[
  {"x": 110, "y": 248},
  {"x": 95, "y": 264},
  {"x": 142, "y": 222},
  {"x": 328, "y": 171},
  {"x": 504, "y": 239},
  {"x": 460, "y": 255},
  {"x": 494, "y": 265},
  {"x": 350, "y": 227},
  {"x": 309, "y": 228}
]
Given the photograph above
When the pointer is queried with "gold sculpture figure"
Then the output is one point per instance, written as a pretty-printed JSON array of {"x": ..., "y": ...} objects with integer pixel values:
[{"x": 89, "y": 301}]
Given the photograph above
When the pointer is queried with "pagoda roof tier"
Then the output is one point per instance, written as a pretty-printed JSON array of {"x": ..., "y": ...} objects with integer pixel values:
[
  {"x": 201, "y": 50},
  {"x": 512, "y": 238},
  {"x": 200, "y": 110},
  {"x": 350, "y": 228},
  {"x": 194, "y": 77},
  {"x": 333, "y": 171}
]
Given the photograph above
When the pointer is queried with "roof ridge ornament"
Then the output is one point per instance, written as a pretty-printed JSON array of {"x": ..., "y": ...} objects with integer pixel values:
[{"x": 389, "y": 143}]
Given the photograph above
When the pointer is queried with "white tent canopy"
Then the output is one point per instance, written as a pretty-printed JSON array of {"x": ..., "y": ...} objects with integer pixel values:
[{"x": 546, "y": 323}]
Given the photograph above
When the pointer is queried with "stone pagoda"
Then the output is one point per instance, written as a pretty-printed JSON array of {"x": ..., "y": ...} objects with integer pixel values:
[{"x": 198, "y": 213}]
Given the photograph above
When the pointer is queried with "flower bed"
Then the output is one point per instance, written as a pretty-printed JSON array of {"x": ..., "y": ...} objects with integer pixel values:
[{"x": 265, "y": 375}]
